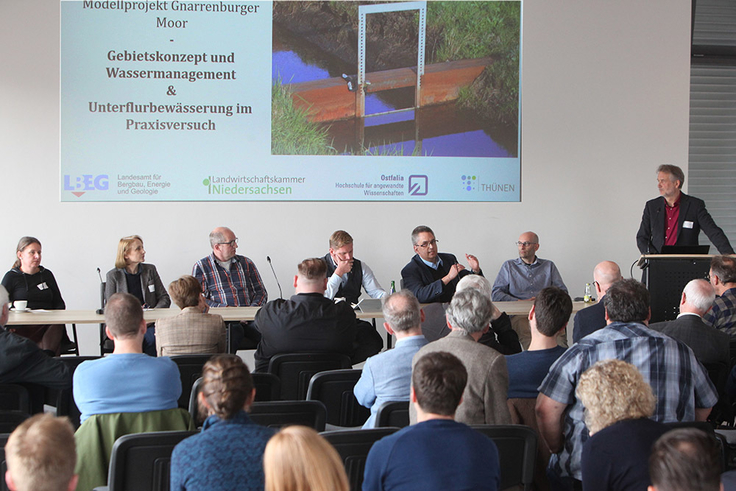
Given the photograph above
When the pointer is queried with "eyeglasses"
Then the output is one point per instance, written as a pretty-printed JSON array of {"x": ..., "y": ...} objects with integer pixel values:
[
  {"x": 232, "y": 243},
  {"x": 525, "y": 244},
  {"x": 432, "y": 242}
]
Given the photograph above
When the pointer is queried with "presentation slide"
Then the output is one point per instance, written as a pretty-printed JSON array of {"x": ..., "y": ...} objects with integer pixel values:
[{"x": 290, "y": 101}]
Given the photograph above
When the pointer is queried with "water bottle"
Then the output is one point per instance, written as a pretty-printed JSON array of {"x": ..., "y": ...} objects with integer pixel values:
[
  {"x": 393, "y": 286},
  {"x": 588, "y": 293}
]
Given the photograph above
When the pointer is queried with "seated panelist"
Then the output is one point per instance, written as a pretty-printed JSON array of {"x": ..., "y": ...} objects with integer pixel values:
[
  {"x": 132, "y": 275},
  {"x": 29, "y": 281}
]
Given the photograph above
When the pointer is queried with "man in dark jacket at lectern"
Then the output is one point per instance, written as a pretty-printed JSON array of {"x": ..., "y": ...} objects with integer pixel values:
[{"x": 676, "y": 218}]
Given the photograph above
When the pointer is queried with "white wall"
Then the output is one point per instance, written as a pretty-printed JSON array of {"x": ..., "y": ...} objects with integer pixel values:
[{"x": 605, "y": 100}]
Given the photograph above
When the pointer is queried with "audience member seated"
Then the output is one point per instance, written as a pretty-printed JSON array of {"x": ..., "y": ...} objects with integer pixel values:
[
  {"x": 685, "y": 459},
  {"x": 41, "y": 455},
  {"x": 30, "y": 281},
  {"x": 297, "y": 458},
  {"x": 592, "y": 318},
  {"x": 345, "y": 278},
  {"x": 680, "y": 383},
  {"x": 709, "y": 345},
  {"x": 723, "y": 278},
  {"x": 618, "y": 404},
  {"x": 306, "y": 322},
  {"x": 431, "y": 275},
  {"x": 231, "y": 280},
  {"x": 547, "y": 319},
  {"x": 387, "y": 376},
  {"x": 127, "y": 381},
  {"x": 193, "y": 330},
  {"x": 437, "y": 453},
  {"x": 501, "y": 336},
  {"x": 23, "y": 362},
  {"x": 132, "y": 275},
  {"x": 484, "y": 400},
  {"x": 523, "y": 278},
  {"x": 228, "y": 453}
]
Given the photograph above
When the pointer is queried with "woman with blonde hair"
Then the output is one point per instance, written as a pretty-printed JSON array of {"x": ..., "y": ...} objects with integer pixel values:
[
  {"x": 618, "y": 404},
  {"x": 132, "y": 275},
  {"x": 297, "y": 458}
]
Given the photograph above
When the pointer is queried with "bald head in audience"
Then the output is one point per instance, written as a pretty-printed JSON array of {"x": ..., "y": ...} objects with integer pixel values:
[
  {"x": 605, "y": 274},
  {"x": 697, "y": 297}
]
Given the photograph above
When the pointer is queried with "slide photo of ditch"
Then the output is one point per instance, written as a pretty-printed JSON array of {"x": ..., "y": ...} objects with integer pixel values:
[{"x": 469, "y": 95}]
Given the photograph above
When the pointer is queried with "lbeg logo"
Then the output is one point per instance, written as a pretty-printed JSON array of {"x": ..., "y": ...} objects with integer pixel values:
[{"x": 86, "y": 182}]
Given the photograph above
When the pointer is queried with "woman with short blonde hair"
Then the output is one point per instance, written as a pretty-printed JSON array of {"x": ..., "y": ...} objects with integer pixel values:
[
  {"x": 618, "y": 404},
  {"x": 297, "y": 458}
]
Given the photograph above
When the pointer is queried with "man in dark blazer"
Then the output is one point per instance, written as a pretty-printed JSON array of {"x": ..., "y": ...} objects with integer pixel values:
[
  {"x": 708, "y": 343},
  {"x": 676, "y": 218},
  {"x": 592, "y": 318},
  {"x": 432, "y": 276}
]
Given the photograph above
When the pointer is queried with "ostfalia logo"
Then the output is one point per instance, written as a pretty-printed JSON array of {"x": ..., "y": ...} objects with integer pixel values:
[
  {"x": 418, "y": 185},
  {"x": 468, "y": 182}
]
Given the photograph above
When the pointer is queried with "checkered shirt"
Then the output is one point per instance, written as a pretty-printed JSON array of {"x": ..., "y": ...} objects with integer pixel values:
[
  {"x": 679, "y": 381},
  {"x": 241, "y": 286},
  {"x": 723, "y": 314}
]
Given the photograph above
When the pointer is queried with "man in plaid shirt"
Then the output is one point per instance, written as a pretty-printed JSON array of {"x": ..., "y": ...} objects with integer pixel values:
[
  {"x": 231, "y": 280},
  {"x": 723, "y": 278},
  {"x": 680, "y": 383}
]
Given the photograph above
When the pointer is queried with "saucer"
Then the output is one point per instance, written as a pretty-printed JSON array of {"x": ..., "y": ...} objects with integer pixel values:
[{"x": 21, "y": 310}]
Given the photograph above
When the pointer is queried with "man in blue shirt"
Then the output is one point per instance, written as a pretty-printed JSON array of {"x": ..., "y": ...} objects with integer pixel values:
[
  {"x": 522, "y": 278},
  {"x": 127, "y": 381},
  {"x": 437, "y": 453},
  {"x": 386, "y": 377}
]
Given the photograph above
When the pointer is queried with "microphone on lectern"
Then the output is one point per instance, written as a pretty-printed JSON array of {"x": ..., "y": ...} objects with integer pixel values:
[{"x": 281, "y": 294}]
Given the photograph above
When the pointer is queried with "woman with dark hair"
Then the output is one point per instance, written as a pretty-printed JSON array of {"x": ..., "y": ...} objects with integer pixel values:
[
  {"x": 30, "y": 281},
  {"x": 228, "y": 453},
  {"x": 132, "y": 275}
]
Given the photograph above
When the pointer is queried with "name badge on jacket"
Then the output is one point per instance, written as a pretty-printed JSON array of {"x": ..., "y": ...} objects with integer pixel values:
[
  {"x": 43, "y": 286},
  {"x": 687, "y": 224},
  {"x": 151, "y": 288}
]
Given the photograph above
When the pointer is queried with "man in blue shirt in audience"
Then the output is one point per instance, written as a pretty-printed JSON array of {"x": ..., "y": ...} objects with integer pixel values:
[
  {"x": 386, "y": 377},
  {"x": 437, "y": 453}
]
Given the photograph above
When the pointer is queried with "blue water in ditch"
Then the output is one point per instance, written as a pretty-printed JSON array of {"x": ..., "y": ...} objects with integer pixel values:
[{"x": 291, "y": 68}]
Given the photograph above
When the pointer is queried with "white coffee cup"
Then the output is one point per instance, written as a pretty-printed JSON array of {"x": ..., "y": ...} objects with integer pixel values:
[{"x": 20, "y": 304}]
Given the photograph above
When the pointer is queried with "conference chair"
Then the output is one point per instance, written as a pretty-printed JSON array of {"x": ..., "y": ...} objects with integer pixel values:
[
  {"x": 14, "y": 397},
  {"x": 73, "y": 347},
  {"x": 268, "y": 388},
  {"x": 96, "y": 437},
  {"x": 523, "y": 413},
  {"x": 3, "y": 466},
  {"x": 517, "y": 452},
  {"x": 9, "y": 420},
  {"x": 295, "y": 370},
  {"x": 393, "y": 414},
  {"x": 335, "y": 389},
  {"x": 64, "y": 399},
  {"x": 276, "y": 414},
  {"x": 142, "y": 461},
  {"x": 353, "y": 447},
  {"x": 190, "y": 369}
]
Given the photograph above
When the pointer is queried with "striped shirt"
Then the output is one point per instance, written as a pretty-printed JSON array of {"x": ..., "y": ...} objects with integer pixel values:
[
  {"x": 241, "y": 286},
  {"x": 679, "y": 382},
  {"x": 723, "y": 314}
]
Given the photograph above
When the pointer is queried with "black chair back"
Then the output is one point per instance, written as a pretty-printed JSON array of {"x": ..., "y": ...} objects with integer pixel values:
[
  {"x": 335, "y": 389},
  {"x": 517, "y": 452},
  {"x": 190, "y": 369},
  {"x": 393, "y": 414},
  {"x": 142, "y": 461},
  {"x": 295, "y": 370},
  {"x": 106, "y": 344},
  {"x": 9, "y": 420},
  {"x": 353, "y": 447},
  {"x": 14, "y": 397},
  {"x": 3, "y": 466},
  {"x": 276, "y": 414}
]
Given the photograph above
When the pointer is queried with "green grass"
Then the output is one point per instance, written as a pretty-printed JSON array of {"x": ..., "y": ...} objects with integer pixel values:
[{"x": 291, "y": 132}]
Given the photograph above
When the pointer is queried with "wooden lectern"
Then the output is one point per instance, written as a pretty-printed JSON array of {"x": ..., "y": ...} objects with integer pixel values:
[{"x": 665, "y": 275}]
